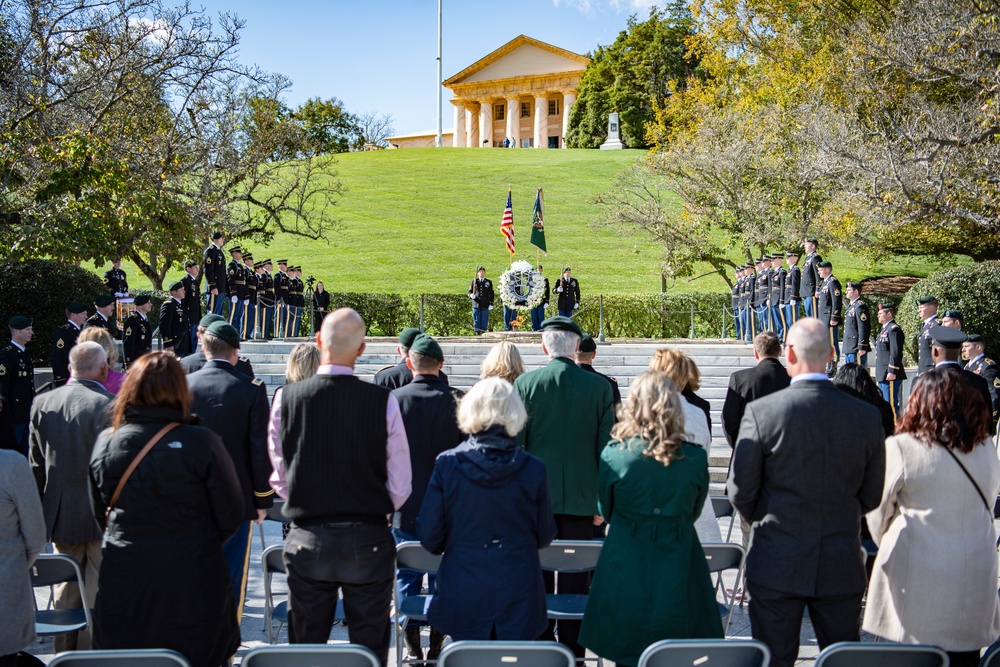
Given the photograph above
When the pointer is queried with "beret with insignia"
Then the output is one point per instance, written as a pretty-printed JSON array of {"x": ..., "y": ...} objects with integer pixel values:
[
  {"x": 19, "y": 322},
  {"x": 104, "y": 300},
  {"x": 176, "y": 285},
  {"x": 887, "y": 305},
  {"x": 76, "y": 307},
  {"x": 211, "y": 319},
  {"x": 188, "y": 264},
  {"x": 217, "y": 235},
  {"x": 812, "y": 239},
  {"x": 226, "y": 332},
  {"x": 947, "y": 337},
  {"x": 142, "y": 300},
  {"x": 924, "y": 300},
  {"x": 853, "y": 284},
  {"x": 954, "y": 314}
]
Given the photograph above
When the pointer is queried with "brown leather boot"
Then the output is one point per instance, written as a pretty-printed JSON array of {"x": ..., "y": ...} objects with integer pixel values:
[
  {"x": 411, "y": 637},
  {"x": 436, "y": 643}
]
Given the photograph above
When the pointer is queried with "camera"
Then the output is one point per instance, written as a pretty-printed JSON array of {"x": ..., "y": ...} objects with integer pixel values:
[{"x": 310, "y": 280}]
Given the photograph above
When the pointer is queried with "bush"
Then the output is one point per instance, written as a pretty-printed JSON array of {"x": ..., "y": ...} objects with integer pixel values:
[
  {"x": 41, "y": 289},
  {"x": 973, "y": 289}
]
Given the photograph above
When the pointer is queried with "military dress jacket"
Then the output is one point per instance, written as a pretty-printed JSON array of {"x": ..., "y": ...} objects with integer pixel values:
[
  {"x": 889, "y": 352},
  {"x": 763, "y": 288},
  {"x": 98, "y": 320},
  {"x": 809, "y": 284},
  {"x": 925, "y": 361},
  {"x": 192, "y": 302},
  {"x": 990, "y": 370},
  {"x": 831, "y": 300},
  {"x": 778, "y": 278},
  {"x": 481, "y": 291},
  {"x": 17, "y": 382},
  {"x": 173, "y": 326},
  {"x": 857, "y": 327},
  {"x": 793, "y": 284},
  {"x": 281, "y": 287},
  {"x": 62, "y": 342},
  {"x": 569, "y": 293},
  {"x": 236, "y": 284},
  {"x": 115, "y": 281},
  {"x": 138, "y": 338},
  {"x": 214, "y": 269}
]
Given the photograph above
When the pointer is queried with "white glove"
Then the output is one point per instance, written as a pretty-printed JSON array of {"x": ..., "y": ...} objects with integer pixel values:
[
  {"x": 558, "y": 290},
  {"x": 246, "y": 302},
  {"x": 575, "y": 306},
  {"x": 234, "y": 299},
  {"x": 471, "y": 295},
  {"x": 490, "y": 308},
  {"x": 119, "y": 294}
]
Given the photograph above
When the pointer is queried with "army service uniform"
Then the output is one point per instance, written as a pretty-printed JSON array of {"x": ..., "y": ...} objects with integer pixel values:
[
  {"x": 829, "y": 308},
  {"x": 857, "y": 331},
  {"x": 116, "y": 283},
  {"x": 17, "y": 385},
  {"x": 138, "y": 338},
  {"x": 986, "y": 367},
  {"x": 889, "y": 359},
  {"x": 214, "y": 270},
  {"x": 62, "y": 342}
]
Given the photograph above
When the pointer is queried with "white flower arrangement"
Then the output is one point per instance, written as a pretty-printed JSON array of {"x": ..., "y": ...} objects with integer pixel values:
[{"x": 521, "y": 286}]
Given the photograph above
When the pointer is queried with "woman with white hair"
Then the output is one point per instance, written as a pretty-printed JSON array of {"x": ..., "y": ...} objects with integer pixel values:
[{"x": 487, "y": 509}]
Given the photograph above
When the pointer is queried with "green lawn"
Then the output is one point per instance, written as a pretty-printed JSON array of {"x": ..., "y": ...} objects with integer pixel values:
[{"x": 421, "y": 220}]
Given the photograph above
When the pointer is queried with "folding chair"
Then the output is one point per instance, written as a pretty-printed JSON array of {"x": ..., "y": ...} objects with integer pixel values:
[
  {"x": 855, "y": 654},
  {"x": 51, "y": 569},
  {"x": 411, "y": 556},
  {"x": 722, "y": 557},
  {"x": 569, "y": 556},
  {"x": 148, "y": 657},
  {"x": 709, "y": 652},
  {"x": 273, "y": 514},
  {"x": 991, "y": 657},
  {"x": 272, "y": 562},
  {"x": 723, "y": 508},
  {"x": 502, "y": 654},
  {"x": 311, "y": 655}
]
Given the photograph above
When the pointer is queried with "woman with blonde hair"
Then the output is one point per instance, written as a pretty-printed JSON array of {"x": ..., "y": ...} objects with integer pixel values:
[
  {"x": 686, "y": 376},
  {"x": 503, "y": 361},
  {"x": 101, "y": 336},
  {"x": 652, "y": 581}
]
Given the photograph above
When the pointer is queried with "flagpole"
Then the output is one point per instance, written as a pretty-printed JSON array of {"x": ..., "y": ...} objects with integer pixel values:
[{"x": 437, "y": 140}]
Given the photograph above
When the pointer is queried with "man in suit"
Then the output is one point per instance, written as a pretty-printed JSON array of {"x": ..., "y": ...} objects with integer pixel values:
[
  {"x": 585, "y": 359},
  {"x": 889, "y": 369},
  {"x": 215, "y": 273},
  {"x": 570, "y": 415},
  {"x": 105, "y": 306},
  {"x": 173, "y": 326},
  {"x": 65, "y": 423},
  {"x": 428, "y": 406},
  {"x": 138, "y": 339},
  {"x": 927, "y": 308},
  {"x": 857, "y": 327},
  {"x": 749, "y": 384},
  {"x": 64, "y": 340},
  {"x": 235, "y": 407},
  {"x": 946, "y": 348},
  {"x": 195, "y": 361},
  {"x": 804, "y": 476}
]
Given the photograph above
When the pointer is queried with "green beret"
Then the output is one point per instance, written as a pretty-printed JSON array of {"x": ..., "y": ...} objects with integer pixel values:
[
  {"x": 954, "y": 314},
  {"x": 76, "y": 307},
  {"x": 210, "y": 319},
  {"x": 947, "y": 337},
  {"x": 424, "y": 344},
  {"x": 887, "y": 305},
  {"x": 104, "y": 300},
  {"x": 813, "y": 240},
  {"x": 587, "y": 343},
  {"x": 142, "y": 300},
  {"x": 19, "y": 322},
  {"x": 407, "y": 336},
  {"x": 976, "y": 338},
  {"x": 924, "y": 300},
  {"x": 853, "y": 285},
  {"x": 175, "y": 286},
  {"x": 560, "y": 323},
  {"x": 226, "y": 332},
  {"x": 824, "y": 265}
]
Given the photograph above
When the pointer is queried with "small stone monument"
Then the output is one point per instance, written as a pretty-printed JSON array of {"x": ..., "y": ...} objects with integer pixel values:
[{"x": 614, "y": 140}]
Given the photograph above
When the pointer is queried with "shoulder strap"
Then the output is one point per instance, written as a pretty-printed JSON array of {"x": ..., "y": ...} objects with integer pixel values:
[
  {"x": 986, "y": 503},
  {"x": 135, "y": 462}
]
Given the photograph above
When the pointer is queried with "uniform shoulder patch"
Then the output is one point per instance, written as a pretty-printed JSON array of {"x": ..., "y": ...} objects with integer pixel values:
[
  {"x": 128, "y": 332},
  {"x": 864, "y": 316},
  {"x": 257, "y": 381},
  {"x": 60, "y": 343},
  {"x": 208, "y": 260},
  {"x": 3, "y": 370}
]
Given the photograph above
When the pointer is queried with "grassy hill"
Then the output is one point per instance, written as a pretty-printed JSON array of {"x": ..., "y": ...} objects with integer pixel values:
[{"x": 421, "y": 220}]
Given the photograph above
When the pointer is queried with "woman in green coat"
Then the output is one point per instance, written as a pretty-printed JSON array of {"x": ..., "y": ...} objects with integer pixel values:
[{"x": 652, "y": 580}]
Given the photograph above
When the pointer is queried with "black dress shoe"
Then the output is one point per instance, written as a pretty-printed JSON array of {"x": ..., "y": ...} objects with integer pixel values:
[{"x": 411, "y": 637}]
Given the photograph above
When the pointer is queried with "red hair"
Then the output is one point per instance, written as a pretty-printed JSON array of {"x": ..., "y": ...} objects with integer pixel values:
[{"x": 946, "y": 409}]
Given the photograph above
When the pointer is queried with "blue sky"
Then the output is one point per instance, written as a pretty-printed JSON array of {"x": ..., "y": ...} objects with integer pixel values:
[{"x": 381, "y": 55}]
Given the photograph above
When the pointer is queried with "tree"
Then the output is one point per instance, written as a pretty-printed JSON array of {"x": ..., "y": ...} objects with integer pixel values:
[
  {"x": 638, "y": 72},
  {"x": 375, "y": 128},
  {"x": 329, "y": 127}
]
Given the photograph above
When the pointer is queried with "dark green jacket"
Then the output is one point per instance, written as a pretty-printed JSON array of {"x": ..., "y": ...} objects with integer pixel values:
[{"x": 570, "y": 415}]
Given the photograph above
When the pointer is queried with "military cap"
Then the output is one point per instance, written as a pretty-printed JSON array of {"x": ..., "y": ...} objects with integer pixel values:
[
  {"x": 142, "y": 300},
  {"x": 265, "y": 262},
  {"x": 257, "y": 265},
  {"x": 975, "y": 338},
  {"x": 924, "y": 300},
  {"x": 792, "y": 253},
  {"x": 104, "y": 300},
  {"x": 587, "y": 343},
  {"x": 19, "y": 322},
  {"x": 226, "y": 332},
  {"x": 567, "y": 269},
  {"x": 217, "y": 235},
  {"x": 210, "y": 319},
  {"x": 777, "y": 255},
  {"x": 812, "y": 239},
  {"x": 853, "y": 284},
  {"x": 176, "y": 285},
  {"x": 407, "y": 336},
  {"x": 282, "y": 261},
  {"x": 190, "y": 263},
  {"x": 560, "y": 323},
  {"x": 247, "y": 255},
  {"x": 481, "y": 268},
  {"x": 824, "y": 265},
  {"x": 424, "y": 344},
  {"x": 954, "y": 314},
  {"x": 887, "y": 305},
  {"x": 235, "y": 248},
  {"x": 947, "y": 337},
  {"x": 76, "y": 307}
]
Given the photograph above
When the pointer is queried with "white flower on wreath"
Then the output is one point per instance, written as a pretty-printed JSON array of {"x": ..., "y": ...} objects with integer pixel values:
[{"x": 521, "y": 286}]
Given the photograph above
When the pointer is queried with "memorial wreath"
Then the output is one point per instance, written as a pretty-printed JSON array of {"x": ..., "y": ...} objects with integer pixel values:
[{"x": 522, "y": 287}]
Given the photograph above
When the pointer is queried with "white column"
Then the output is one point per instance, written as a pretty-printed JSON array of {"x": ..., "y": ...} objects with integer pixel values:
[
  {"x": 541, "y": 122},
  {"x": 569, "y": 99},
  {"x": 471, "y": 126},
  {"x": 514, "y": 120},
  {"x": 458, "y": 139},
  {"x": 486, "y": 124}
]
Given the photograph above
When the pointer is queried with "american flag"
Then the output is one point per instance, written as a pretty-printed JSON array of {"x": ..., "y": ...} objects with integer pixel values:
[{"x": 507, "y": 225}]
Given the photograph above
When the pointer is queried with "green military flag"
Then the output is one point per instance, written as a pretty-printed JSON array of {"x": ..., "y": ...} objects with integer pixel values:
[{"x": 538, "y": 224}]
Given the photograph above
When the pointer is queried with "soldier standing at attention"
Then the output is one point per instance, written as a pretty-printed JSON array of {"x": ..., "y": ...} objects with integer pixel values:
[
  {"x": 750, "y": 289},
  {"x": 927, "y": 307},
  {"x": 974, "y": 351},
  {"x": 763, "y": 295},
  {"x": 857, "y": 327},
  {"x": 250, "y": 304},
  {"x": 215, "y": 273},
  {"x": 810, "y": 284},
  {"x": 267, "y": 300},
  {"x": 192, "y": 303},
  {"x": 830, "y": 310},
  {"x": 138, "y": 338},
  {"x": 17, "y": 379},
  {"x": 481, "y": 293},
  {"x": 568, "y": 290},
  {"x": 64, "y": 340},
  {"x": 281, "y": 297},
  {"x": 735, "y": 291},
  {"x": 105, "y": 305},
  {"x": 236, "y": 286},
  {"x": 115, "y": 280},
  {"x": 889, "y": 371},
  {"x": 173, "y": 326},
  {"x": 297, "y": 292},
  {"x": 793, "y": 283},
  {"x": 778, "y": 276}
]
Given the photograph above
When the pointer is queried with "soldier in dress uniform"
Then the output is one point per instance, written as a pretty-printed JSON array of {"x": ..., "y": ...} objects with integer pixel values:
[
  {"x": 297, "y": 293},
  {"x": 857, "y": 327},
  {"x": 196, "y": 360},
  {"x": 267, "y": 300},
  {"x": 568, "y": 290},
  {"x": 215, "y": 273},
  {"x": 750, "y": 304},
  {"x": 236, "y": 286},
  {"x": 114, "y": 279},
  {"x": 192, "y": 302},
  {"x": 952, "y": 318},
  {"x": 481, "y": 293},
  {"x": 735, "y": 291},
  {"x": 538, "y": 312},
  {"x": 250, "y": 307},
  {"x": 17, "y": 378},
  {"x": 173, "y": 326},
  {"x": 778, "y": 276},
  {"x": 138, "y": 338},
  {"x": 830, "y": 309},
  {"x": 105, "y": 305},
  {"x": 793, "y": 284},
  {"x": 762, "y": 297},
  {"x": 927, "y": 307},
  {"x": 281, "y": 298},
  {"x": 63, "y": 341},
  {"x": 974, "y": 352},
  {"x": 810, "y": 284},
  {"x": 889, "y": 370}
]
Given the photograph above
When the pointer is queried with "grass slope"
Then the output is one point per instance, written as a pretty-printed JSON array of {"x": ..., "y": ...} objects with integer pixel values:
[{"x": 421, "y": 220}]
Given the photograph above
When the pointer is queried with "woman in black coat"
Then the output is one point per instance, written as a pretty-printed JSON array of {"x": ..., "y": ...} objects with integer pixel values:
[
  {"x": 164, "y": 582},
  {"x": 320, "y": 304},
  {"x": 487, "y": 508}
]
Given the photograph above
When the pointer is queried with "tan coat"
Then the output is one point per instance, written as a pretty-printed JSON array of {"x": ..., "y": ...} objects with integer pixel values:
[{"x": 935, "y": 577}]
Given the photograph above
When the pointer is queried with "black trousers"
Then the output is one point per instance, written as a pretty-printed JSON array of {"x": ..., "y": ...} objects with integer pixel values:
[
  {"x": 569, "y": 527},
  {"x": 323, "y": 560},
  {"x": 776, "y": 620}
]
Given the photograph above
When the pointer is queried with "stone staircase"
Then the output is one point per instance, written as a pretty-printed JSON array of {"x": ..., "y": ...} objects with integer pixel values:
[{"x": 623, "y": 360}]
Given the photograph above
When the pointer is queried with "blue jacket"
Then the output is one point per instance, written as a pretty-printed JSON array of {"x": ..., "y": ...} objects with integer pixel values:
[{"x": 487, "y": 509}]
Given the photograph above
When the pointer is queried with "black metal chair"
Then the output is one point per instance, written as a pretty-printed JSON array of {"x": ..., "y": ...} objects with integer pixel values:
[{"x": 713, "y": 652}]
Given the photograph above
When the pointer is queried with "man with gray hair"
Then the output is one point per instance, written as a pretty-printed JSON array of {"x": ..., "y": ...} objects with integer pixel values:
[
  {"x": 803, "y": 475},
  {"x": 570, "y": 415},
  {"x": 64, "y": 425}
]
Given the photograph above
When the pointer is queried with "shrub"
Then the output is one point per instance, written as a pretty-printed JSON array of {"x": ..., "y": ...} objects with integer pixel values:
[
  {"x": 973, "y": 289},
  {"x": 41, "y": 289}
]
